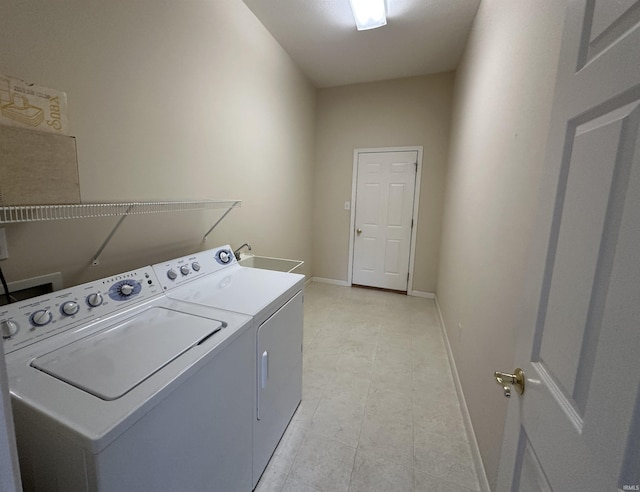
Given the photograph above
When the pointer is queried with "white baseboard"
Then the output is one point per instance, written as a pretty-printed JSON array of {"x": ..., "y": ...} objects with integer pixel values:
[
  {"x": 307, "y": 282},
  {"x": 343, "y": 283},
  {"x": 419, "y": 293},
  {"x": 475, "y": 450},
  {"x": 331, "y": 281}
]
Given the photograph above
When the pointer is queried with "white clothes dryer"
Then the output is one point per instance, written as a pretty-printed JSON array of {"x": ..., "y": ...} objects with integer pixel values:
[
  {"x": 114, "y": 387},
  {"x": 275, "y": 302}
]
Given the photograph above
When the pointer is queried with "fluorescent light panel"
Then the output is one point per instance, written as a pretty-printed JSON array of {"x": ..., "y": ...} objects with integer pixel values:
[{"x": 369, "y": 14}]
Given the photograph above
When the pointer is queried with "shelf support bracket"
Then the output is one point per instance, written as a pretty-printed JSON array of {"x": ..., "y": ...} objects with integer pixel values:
[
  {"x": 219, "y": 220},
  {"x": 96, "y": 258}
]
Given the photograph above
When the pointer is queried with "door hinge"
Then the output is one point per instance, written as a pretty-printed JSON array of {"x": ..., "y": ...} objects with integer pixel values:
[
  {"x": 411, "y": 223},
  {"x": 407, "y": 277}
]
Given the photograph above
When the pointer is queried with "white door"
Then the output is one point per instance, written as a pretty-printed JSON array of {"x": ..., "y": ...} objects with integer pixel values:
[
  {"x": 577, "y": 426},
  {"x": 385, "y": 192}
]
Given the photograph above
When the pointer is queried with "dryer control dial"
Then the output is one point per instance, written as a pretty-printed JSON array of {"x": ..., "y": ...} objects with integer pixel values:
[
  {"x": 95, "y": 299},
  {"x": 172, "y": 274},
  {"x": 196, "y": 266},
  {"x": 9, "y": 328},
  {"x": 70, "y": 308},
  {"x": 184, "y": 270},
  {"x": 224, "y": 256},
  {"x": 41, "y": 317}
]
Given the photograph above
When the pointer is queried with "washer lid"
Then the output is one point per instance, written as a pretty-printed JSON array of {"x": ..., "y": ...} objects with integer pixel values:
[{"x": 115, "y": 360}]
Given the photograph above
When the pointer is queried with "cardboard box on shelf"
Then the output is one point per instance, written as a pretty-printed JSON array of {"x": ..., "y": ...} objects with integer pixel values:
[
  {"x": 37, "y": 168},
  {"x": 33, "y": 107}
]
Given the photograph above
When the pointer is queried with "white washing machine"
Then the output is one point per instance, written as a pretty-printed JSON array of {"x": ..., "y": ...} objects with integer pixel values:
[
  {"x": 114, "y": 387},
  {"x": 274, "y": 300}
]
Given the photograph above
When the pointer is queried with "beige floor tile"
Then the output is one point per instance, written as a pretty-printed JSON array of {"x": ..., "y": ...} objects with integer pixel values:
[
  {"x": 380, "y": 476},
  {"x": 357, "y": 359},
  {"x": 312, "y": 386},
  {"x": 339, "y": 416},
  {"x": 323, "y": 463},
  {"x": 427, "y": 362},
  {"x": 327, "y": 344},
  {"x": 320, "y": 360},
  {"x": 445, "y": 457},
  {"x": 434, "y": 379},
  {"x": 315, "y": 378},
  {"x": 309, "y": 333},
  {"x": 387, "y": 440},
  {"x": 392, "y": 375},
  {"x": 276, "y": 472},
  {"x": 273, "y": 478},
  {"x": 428, "y": 483},
  {"x": 355, "y": 385},
  {"x": 389, "y": 404},
  {"x": 347, "y": 344},
  {"x": 365, "y": 332},
  {"x": 438, "y": 416},
  {"x": 399, "y": 325},
  {"x": 292, "y": 485},
  {"x": 448, "y": 424},
  {"x": 305, "y": 411},
  {"x": 434, "y": 396},
  {"x": 429, "y": 339}
]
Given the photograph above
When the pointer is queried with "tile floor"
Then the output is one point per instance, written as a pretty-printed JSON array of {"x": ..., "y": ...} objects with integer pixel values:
[{"x": 379, "y": 410}]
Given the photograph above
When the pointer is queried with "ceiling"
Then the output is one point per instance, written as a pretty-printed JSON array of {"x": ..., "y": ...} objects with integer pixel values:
[{"x": 421, "y": 37}]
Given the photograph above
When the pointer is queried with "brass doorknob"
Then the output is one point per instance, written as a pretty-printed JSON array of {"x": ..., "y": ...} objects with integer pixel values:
[
  {"x": 358, "y": 231},
  {"x": 507, "y": 380}
]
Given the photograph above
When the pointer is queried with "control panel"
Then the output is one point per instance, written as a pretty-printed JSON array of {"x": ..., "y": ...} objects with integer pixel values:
[
  {"x": 176, "y": 272},
  {"x": 26, "y": 322}
]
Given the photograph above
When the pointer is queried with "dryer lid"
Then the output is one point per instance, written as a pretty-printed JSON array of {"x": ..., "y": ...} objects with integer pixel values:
[
  {"x": 238, "y": 289},
  {"x": 115, "y": 360}
]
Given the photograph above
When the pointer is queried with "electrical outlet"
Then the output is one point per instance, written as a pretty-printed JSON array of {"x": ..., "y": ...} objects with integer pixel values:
[{"x": 4, "y": 251}]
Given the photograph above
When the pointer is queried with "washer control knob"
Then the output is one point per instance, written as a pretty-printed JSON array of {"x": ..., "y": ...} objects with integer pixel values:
[
  {"x": 184, "y": 269},
  {"x": 224, "y": 257},
  {"x": 126, "y": 289},
  {"x": 196, "y": 266},
  {"x": 41, "y": 317},
  {"x": 172, "y": 274},
  {"x": 70, "y": 308},
  {"x": 95, "y": 299},
  {"x": 9, "y": 328}
]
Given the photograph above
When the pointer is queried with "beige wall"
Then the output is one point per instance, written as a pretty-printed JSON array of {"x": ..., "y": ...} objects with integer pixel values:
[
  {"x": 168, "y": 100},
  {"x": 503, "y": 93},
  {"x": 403, "y": 112}
]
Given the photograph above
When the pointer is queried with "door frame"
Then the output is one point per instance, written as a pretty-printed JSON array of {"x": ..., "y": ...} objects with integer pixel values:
[{"x": 416, "y": 204}]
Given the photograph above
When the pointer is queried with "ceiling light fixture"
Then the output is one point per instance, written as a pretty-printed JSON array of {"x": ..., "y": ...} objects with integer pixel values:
[{"x": 369, "y": 14}]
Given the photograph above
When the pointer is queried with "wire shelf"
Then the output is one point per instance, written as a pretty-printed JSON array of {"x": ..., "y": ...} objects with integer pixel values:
[
  {"x": 13, "y": 214},
  {"x": 36, "y": 213}
]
